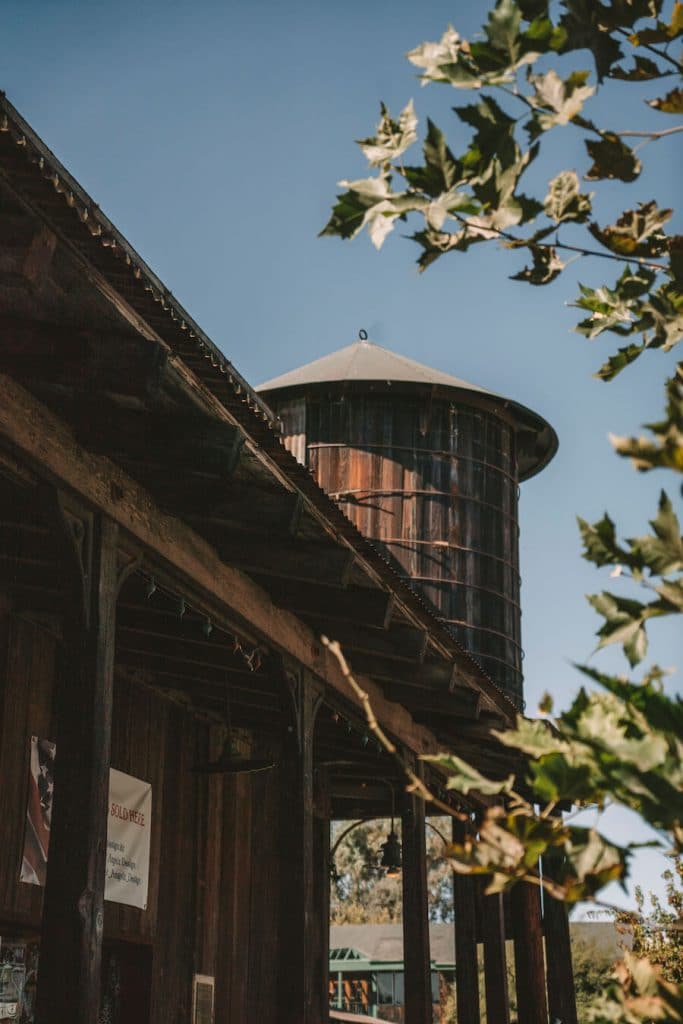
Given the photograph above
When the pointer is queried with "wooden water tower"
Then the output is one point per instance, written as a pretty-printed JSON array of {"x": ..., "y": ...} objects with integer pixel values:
[{"x": 428, "y": 467}]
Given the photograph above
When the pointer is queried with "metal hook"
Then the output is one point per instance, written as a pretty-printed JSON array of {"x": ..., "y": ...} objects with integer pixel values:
[{"x": 362, "y": 335}]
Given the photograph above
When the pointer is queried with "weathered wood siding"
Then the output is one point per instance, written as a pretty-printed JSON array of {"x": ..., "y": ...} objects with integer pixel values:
[
  {"x": 435, "y": 482},
  {"x": 214, "y": 876}
]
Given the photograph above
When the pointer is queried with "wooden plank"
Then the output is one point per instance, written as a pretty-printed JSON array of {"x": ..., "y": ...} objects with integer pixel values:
[
  {"x": 529, "y": 961},
  {"x": 495, "y": 964},
  {"x": 558, "y": 950},
  {"x": 416, "y": 954},
  {"x": 46, "y": 443},
  {"x": 466, "y": 961},
  {"x": 71, "y": 942}
]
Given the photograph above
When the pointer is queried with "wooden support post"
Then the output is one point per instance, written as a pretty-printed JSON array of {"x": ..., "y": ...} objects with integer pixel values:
[
  {"x": 466, "y": 963},
  {"x": 298, "y": 998},
  {"x": 558, "y": 953},
  {"x": 321, "y": 852},
  {"x": 495, "y": 965},
  {"x": 71, "y": 943},
  {"x": 527, "y": 929},
  {"x": 416, "y": 954}
]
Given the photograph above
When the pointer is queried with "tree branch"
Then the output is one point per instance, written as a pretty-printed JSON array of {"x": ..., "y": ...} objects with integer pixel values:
[{"x": 662, "y": 54}]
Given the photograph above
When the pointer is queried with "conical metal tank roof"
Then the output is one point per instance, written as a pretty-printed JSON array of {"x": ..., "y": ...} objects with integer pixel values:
[{"x": 365, "y": 362}]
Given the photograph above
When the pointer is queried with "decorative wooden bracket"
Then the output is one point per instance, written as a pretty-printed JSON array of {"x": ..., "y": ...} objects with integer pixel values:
[
  {"x": 305, "y": 701},
  {"x": 78, "y": 523}
]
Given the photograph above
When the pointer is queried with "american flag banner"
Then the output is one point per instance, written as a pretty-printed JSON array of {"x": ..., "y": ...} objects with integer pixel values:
[{"x": 38, "y": 811}]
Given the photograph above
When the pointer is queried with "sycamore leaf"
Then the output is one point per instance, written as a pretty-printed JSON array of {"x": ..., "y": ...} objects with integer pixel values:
[
  {"x": 663, "y": 552},
  {"x": 559, "y": 100},
  {"x": 565, "y": 201},
  {"x": 533, "y": 736},
  {"x": 610, "y": 311},
  {"x": 436, "y": 58},
  {"x": 600, "y": 542},
  {"x": 612, "y": 158},
  {"x": 463, "y": 778},
  {"x": 441, "y": 171},
  {"x": 593, "y": 861},
  {"x": 636, "y": 233},
  {"x": 392, "y": 138},
  {"x": 660, "y": 711},
  {"x": 546, "y": 266},
  {"x": 672, "y": 103},
  {"x": 644, "y": 70},
  {"x": 667, "y": 448},
  {"x": 583, "y": 29}
]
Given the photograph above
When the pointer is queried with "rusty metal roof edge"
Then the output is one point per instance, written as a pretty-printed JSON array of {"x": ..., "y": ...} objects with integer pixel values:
[{"x": 260, "y": 414}]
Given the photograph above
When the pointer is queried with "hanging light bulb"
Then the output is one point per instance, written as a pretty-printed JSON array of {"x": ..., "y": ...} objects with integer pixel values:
[{"x": 151, "y": 587}]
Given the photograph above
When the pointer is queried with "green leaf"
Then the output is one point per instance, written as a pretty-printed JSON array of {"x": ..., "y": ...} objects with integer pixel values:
[
  {"x": 392, "y": 138},
  {"x": 564, "y": 200},
  {"x": 441, "y": 171},
  {"x": 663, "y": 552},
  {"x": 672, "y": 103},
  {"x": 463, "y": 778},
  {"x": 600, "y": 542},
  {"x": 612, "y": 158},
  {"x": 637, "y": 232},
  {"x": 644, "y": 70},
  {"x": 618, "y": 362},
  {"x": 545, "y": 268},
  {"x": 584, "y": 28}
]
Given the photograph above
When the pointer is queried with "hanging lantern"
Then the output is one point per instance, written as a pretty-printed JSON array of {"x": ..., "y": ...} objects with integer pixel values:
[{"x": 391, "y": 855}]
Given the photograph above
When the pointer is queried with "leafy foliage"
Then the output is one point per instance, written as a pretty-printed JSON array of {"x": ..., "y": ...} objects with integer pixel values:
[
  {"x": 476, "y": 196},
  {"x": 621, "y": 743}
]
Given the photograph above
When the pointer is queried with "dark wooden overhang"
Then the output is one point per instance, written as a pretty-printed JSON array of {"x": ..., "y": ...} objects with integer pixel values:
[{"x": 90, "y": 331}]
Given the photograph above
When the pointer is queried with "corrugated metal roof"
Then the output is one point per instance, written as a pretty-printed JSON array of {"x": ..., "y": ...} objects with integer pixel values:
[{"x": 365, "y": 361}]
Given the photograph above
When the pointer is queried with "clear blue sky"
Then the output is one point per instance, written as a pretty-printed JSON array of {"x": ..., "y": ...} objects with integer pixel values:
[{"x": 213, "y": 135}]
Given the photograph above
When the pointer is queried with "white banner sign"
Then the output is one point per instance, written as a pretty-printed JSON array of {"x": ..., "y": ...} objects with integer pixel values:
[{"x": 128, "y": 839}]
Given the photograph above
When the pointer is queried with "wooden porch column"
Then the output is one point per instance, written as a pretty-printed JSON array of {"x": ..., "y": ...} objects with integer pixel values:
[
  {"x": 71, "y": 942},
  {"x": 416, "y": 959},
  {"x": 527, "y": 929},
  {"x": 466, "y": 963},
  {"x": 298, "y": 995},
  {"x": 495, "y": 966},
  {"x": 321, "y": 851},
  {"x": 558, "y": 953}
]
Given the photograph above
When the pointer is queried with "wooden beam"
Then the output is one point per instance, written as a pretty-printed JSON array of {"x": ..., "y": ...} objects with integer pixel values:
[
  {"x": 247, "y": 508},
  {"x": 373, "y": 607},
  {"x": 72, "y": 922},
  {"x": 173, "y": 548},
  {"x": 399, "y": 642},
  {"x": 82, "y": 360},
  {"x": 190, "y": 443},
  {"x": 529, "y": 960},
  {"x": 431, "y": 675},
  {"x": 416, "y": 953},
  {"x": 294, "y": 560},
  {"x": 463, "y": 703},
  {"x": 466, "y": 962}
]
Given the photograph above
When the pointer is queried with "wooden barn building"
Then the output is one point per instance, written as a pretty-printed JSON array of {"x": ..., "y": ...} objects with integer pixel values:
[{"x": 169, "y": 719}]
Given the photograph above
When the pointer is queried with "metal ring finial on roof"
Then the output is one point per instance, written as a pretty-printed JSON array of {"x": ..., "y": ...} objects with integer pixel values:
[{"x": 362, "y": 335}]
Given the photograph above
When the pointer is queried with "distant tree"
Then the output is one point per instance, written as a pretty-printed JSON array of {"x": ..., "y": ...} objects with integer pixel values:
[
  {"x": 362, "y": 894},
  {"x": 655, "y": 929}
]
